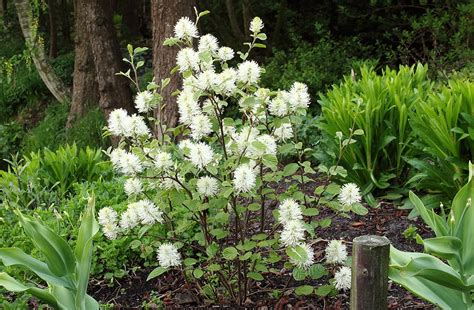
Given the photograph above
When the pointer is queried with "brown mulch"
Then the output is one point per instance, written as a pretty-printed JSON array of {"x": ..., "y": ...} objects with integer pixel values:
[{"x": 132, "y": 291}]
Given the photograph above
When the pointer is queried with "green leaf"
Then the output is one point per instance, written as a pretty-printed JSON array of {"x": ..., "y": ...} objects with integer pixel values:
[
  {"x": 59, "y": 256},
  {"x": 16, "y": 257},
  {"x": 12, "y": 285},
  {"x": 255, "y": 276},
  {"x": 359, "y": 209},
  {"x": 158, "y": 271},
  {"x": 317, "y": 271},
  {"x": 83, "y": 251},
  {"x": 230, "y": 253},
  {"x": 310, "y": 212},
  {"x": 324, "y": 290},
  {"x": 189, "y": 261},
  {"x": 198, "y": 273},
  {"x": 304, "y": 290},
  {"x": 299, "y": 274},
  {"x": 290, "y": 169},
  {"x": 270, "y": 161}
]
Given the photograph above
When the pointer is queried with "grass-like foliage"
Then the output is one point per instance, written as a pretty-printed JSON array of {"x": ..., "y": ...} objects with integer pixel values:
[{"x": 379, "y": 105}]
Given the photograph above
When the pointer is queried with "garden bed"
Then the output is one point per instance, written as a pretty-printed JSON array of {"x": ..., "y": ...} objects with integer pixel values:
[{"x": 133, "y": 291}]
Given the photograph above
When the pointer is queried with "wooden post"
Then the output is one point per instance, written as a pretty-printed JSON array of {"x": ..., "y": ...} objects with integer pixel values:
[{"x": 370, "y": 258}]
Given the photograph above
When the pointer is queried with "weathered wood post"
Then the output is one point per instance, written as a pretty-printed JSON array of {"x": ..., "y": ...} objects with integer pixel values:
[{"x": 370, "y": 258}]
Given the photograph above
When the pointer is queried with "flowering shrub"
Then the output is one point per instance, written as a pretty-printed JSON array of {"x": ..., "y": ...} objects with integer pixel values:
[{"x": 212, "y": 182}]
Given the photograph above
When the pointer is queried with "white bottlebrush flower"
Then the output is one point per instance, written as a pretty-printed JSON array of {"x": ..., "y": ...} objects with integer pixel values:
[
  {"x": 162, "y": 160},
  {"x": 185, "y": 29},
  {"x": 185, "y": 145},
  {"x": 111, "y": 230},
  {"x": 336, "y": 252},
  {"x": 244, "y": 178},
  {"x": 350, "y": 194},
  {"x": 292, "y": 234},
  {"x": 187, "y": 59},
  {"x": 119, "y": 123},
  {"x": 308, "y": 259},
  {"x": 245, "y": 137},
  {"x": 107, "y": 215},
  {"x": 130, "y": 218},
  {"x": 289, "y": 211},
  {"x": 206, "y": 80},
  {"x": 284, "y": 132},
  {"x": 256, "y": 24},
  {"x": 299, "y": 96},
  {"x": 201, "y": 126},
  {"x": 269, "y": 143},
  {"x": 226, "y": 81},
  {"x": 225, "y": 53},
  {"x": 148, "y": 213},
  {"x": 248, "y": 72},
  {"x": 138, "y": 128},
  {"x": 342, "y": 278},
  {"x": 168, "y": 255},
  {"x": 126, "y": 163},
  {"x": 207, "y": 186},
  {"x": 133, "y": 186},
  {"x": 201, "y": 155},
  {"x": 188, "y": 106},
  {"x": 278, "y": 106},
  {"x": 144, "y": 101},
  {"x": 209, "y": 43}
]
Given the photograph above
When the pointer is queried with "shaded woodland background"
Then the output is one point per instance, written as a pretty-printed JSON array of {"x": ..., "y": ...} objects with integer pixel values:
[{"x": 58, "y": 58}]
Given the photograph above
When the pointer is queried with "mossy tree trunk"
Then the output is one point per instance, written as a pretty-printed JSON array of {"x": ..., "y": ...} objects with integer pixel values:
[{"x": 40, "y": 60}]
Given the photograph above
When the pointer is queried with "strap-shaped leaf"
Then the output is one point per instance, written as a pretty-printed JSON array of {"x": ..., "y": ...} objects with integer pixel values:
[
  {"x": 15, "y": 256},
  {"x": 446, "y": 247},
  {"x": 12, "y": 285},
  {"x": 436, "y": 223},
  {"x": 83, "y": 252},
  {"x": 64, "y": 297},
  {"x": 59, "y": 256},
  {"x": 463, "y": 216}
]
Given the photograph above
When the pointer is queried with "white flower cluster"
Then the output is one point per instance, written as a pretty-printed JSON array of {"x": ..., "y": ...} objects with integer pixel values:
[
  {"x": 143, "y": 211},
  {"x": 121, "y": 124},
  {"x": 336, "y": 253},
  {"x": 168, "y": 255},
  {"x": 245, "y": 178},
  {"x": 293, "y": 231},
  {"x": 342, "y": 278},
  {"x": 350, "y": 194}
]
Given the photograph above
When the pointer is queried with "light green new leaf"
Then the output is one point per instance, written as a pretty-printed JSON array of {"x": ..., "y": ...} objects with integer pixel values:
[
  {"x": 13, "y": 285},
  {"x": 16, "y": 257},
  {"x": 59, "y": 256},
  {"x": 83, "y": 252}
]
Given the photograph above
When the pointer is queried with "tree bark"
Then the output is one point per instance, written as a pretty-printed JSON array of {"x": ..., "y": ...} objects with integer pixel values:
[
  {"x": 114, "y": 90},
  {"x": 164, "y": 15},
  {"x": 45, "y": 70},
  {"x": 234, "y": 25},
  {"x": 85, "y": 88},
  {"x": 53, "y": 33}
]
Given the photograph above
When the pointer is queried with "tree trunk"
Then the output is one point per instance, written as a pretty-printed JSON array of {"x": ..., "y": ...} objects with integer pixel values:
[
  {"x": 59, "y": 91},
  {"x": 114, "y": 90},
  {"x": 164, "y": 15},
  {"x": 234, "y": 25},
  {"x": 53, "y": 33},
  {"x": 65, "y": 22},
  {"x": 85, "y": 88}
]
